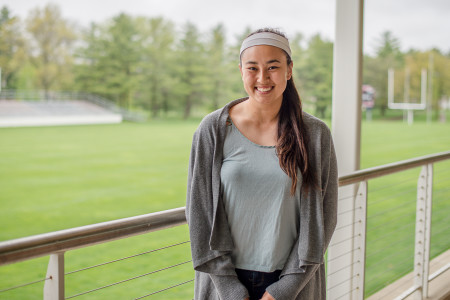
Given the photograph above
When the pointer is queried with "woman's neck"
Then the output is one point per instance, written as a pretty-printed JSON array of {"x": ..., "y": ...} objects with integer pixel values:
[{"x": 261, "y": 113}]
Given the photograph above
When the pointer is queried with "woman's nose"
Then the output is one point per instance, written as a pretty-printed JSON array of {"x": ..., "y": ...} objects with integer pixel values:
[{"x": 263, "y": 76}]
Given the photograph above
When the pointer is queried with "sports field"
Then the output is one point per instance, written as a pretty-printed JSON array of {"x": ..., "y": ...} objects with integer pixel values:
[{"x": 53, "y": 178}]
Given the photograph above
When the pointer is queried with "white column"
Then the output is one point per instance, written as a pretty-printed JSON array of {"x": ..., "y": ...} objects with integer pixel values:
[
  {"x": 346, "y": 128},
  {"x": 347, "y": 82}
]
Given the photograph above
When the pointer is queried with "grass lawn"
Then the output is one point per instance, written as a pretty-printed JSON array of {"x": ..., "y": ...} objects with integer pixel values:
[{"x": 53, "y": 178}]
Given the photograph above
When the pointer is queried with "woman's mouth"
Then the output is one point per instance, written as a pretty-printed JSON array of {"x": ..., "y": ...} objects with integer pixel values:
[{"x": 264, "y": 89}]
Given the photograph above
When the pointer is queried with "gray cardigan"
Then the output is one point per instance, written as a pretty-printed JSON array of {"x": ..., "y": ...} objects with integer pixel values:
[{"x": 303, "y": 276}]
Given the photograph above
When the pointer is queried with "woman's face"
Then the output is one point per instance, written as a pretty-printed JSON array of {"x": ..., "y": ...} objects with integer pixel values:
[{"x": 265, "y": 73}]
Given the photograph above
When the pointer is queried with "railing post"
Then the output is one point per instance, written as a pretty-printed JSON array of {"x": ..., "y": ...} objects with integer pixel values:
[
  {"x": 54, "y": 286},
  {"x": 359, "y": 241},
  {"x": 423, "y": 232},
  {"x": 429, "y": 206}
]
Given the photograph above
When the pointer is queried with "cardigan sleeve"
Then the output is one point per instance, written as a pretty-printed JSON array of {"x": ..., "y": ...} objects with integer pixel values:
[
  {"x": 229, "y": 287},
  {"x": 200, "y": 217},
  {"x": 291, "y": 283}
]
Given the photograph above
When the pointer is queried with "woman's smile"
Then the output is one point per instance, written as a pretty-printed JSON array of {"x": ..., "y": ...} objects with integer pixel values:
[{"x": 264, "y": 90}]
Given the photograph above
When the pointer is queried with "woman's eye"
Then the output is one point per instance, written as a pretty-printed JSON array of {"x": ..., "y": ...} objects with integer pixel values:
[
  {"x": 273, "y": 67},
  {"x": 251, "y": 68}
]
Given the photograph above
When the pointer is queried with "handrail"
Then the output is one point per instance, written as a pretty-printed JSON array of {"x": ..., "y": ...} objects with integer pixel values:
[
  {"x": 371, "y": 173},
  {"x": 60, "y": 241}
]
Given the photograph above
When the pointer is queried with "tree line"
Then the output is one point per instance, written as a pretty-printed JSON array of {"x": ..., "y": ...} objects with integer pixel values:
[{"x": 148, "y": 64}]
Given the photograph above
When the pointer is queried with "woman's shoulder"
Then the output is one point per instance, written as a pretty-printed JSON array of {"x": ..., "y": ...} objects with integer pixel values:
[
  {"x": 315, "y": 125},
  {"x": 210, "y": 123},
  {"x": 213, "y": 119}
]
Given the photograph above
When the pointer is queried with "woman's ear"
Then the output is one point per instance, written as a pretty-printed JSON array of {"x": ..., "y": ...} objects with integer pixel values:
[
  {"x": 240, "y": 69},
  {"x": 289, "y": 72}
]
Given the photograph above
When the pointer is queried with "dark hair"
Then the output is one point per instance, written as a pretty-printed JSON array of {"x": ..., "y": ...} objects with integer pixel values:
[{"x": 292, "y": 139}]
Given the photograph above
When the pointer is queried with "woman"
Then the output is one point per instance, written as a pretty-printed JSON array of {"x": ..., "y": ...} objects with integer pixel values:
[{"x": 262, "y": 187}]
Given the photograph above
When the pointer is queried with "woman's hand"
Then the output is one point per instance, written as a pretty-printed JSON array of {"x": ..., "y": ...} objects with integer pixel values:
[{"x": 267, "y": 296}]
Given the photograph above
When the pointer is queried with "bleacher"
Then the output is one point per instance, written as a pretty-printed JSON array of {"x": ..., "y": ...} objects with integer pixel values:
[{"x": 21, "y": 113}]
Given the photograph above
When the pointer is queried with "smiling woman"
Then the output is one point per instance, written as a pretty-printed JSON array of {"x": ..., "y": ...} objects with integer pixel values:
[{"x": 262, "y": 186}]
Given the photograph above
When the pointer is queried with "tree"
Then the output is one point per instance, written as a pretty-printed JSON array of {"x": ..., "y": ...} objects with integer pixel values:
[
  {"x": 316, "y": 73},
  {"x": 388, "y": 46},
  {"x": 12, "y": 49},
  {"x": 235, "y": 86},
  {"x": 217, "y": 67},
  {"x": 438, "y": 72},
  {"x": 156, "y": 63},
  {"x": 52, "y": 39},
  {"x": 299, "y": 60},
  {"x": 122, "y": 58},
  {"x": 111, "y": 58},
  {"x": 88, "y": 73},
  {"x": 191, "y": 69},
  {"x": 388, "y": 55}
]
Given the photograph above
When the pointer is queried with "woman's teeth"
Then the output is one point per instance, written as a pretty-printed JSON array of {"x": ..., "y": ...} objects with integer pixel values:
[{"x": 264, "y": 89}]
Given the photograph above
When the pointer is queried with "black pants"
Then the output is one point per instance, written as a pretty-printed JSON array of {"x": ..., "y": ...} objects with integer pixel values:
[{"x": 257, "y": 282}]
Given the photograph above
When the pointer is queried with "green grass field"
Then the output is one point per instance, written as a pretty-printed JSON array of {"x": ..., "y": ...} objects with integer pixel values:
[{"x": 53, "y": 178}]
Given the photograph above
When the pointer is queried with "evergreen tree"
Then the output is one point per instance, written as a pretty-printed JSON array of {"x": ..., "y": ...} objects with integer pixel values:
[
  {"x": 388, "y": 55},
  {"x": 217, "y": 67},
  {"x": 156, "y": 61},
  {"x": 191, "y": 69},
  {"x": 110, "y": 60},
  {"x": 316, "y": 74}
]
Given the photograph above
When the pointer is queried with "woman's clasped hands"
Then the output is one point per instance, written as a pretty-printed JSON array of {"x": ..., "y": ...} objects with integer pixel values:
[{"x": 266, "y": 296}]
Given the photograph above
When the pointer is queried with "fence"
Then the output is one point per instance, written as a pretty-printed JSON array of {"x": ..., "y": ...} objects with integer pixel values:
[
  {"x": 71, "y": 95},
  {"x": 350, "y": 267},
  {"x": 378, "y": 241}
]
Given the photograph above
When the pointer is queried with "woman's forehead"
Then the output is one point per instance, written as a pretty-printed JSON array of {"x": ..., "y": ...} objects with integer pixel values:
[{"x": 263, "y": 53}]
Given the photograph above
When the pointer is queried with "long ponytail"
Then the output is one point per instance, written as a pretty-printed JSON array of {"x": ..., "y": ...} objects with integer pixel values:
[{"x": 293, "y": 140}]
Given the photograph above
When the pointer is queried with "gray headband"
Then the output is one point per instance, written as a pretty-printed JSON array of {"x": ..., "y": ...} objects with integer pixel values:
[{"x": 266, "y": 38}]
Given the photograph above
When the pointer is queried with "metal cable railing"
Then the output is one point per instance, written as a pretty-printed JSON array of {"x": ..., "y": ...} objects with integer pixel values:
[
  {"x": 125, "y": 258},
  {"x": 384, "y": 198},
  {"x": 24, "y": 285},
  {"x": 396, "y": 184},
  {"x": 56, "y": 243},
  {"x": 123, "y": 281},
  {"x": 128, "y": 279},
  {"x": 392, "y": 227},
  {"x": 170, "y": 287}
]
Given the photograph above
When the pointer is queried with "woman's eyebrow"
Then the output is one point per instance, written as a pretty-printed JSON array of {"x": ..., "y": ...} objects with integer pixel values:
[{"x": 269, "y": 62}]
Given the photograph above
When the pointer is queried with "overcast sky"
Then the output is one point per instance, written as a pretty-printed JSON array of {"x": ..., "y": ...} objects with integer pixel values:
[{"x": 419, "y": 24}]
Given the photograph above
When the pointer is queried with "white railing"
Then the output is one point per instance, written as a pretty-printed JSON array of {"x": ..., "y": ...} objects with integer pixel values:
[{"x": 346, "y": 258}]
